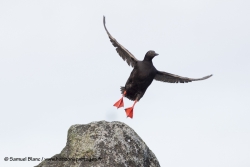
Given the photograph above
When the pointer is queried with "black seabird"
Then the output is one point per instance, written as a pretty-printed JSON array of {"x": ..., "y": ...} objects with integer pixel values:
[{"x": 142, "y": 75}]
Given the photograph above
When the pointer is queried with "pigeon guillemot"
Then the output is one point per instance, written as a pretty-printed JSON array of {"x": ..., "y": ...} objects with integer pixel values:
[{"x": 142, "y": 75}]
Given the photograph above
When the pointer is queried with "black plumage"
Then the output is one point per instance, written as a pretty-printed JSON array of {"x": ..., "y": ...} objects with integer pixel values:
[
  {"x": 142, "y": 75},
  {"x": 140, "y": 78},
  {"x": 144, "y": 72}
]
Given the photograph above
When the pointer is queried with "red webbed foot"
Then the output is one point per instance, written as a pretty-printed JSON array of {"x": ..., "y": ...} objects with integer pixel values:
[
  {"x": 120, "y": 102},
  {"x": 129, "y": 111}
]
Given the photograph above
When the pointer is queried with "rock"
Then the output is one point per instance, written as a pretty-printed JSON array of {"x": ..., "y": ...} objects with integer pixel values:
[{"x": 103, "y": 144}]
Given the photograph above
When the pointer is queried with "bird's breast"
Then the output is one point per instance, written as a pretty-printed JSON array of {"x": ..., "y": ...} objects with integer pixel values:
[{"x": 145, "y": 74}]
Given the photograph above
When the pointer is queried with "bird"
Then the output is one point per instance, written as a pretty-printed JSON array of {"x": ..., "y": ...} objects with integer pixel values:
[{"x": 142, "y": 75}]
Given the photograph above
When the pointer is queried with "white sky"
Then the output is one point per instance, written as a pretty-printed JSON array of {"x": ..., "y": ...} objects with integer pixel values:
[{"x": 58, "y": 68}]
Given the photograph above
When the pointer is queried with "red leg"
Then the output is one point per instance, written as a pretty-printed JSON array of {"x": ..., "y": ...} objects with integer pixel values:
[
  {"x": 120, "y": 102},
  {"x": 129, "y": 111}
]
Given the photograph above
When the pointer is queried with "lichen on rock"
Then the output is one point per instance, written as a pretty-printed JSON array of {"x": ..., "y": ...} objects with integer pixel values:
[{"x": 103, "y": 144}]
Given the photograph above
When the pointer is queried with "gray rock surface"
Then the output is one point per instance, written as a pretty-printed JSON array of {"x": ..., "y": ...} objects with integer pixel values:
[{"x": 103, "y": 144}]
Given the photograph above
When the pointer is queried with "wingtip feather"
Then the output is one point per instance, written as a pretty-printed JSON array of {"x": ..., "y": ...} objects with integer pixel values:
[
  {"x": 104, "y": 22},
  {"x": 209, "y": 76}
]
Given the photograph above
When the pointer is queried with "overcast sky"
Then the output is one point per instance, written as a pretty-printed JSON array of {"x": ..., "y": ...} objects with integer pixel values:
[{"x": 58, "y": 68}]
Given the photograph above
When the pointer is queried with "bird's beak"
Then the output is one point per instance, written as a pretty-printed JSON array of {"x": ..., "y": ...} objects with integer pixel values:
[{"x": 156, "y": 54}]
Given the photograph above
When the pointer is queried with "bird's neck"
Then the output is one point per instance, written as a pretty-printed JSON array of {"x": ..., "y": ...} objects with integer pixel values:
[{"x": 149, "y": 59}]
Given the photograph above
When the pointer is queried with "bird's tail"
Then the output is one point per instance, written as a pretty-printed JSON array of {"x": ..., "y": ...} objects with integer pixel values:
[{"x": 122, "y": 89}]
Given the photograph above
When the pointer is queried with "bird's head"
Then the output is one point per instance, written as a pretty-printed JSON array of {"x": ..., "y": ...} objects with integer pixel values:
[{"x": 150, "y": 55}]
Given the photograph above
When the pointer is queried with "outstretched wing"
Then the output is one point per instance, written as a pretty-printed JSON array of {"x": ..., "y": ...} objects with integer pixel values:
[
  {"x": 123, "y": 52},
  {"x": 171, "y": 78}
]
